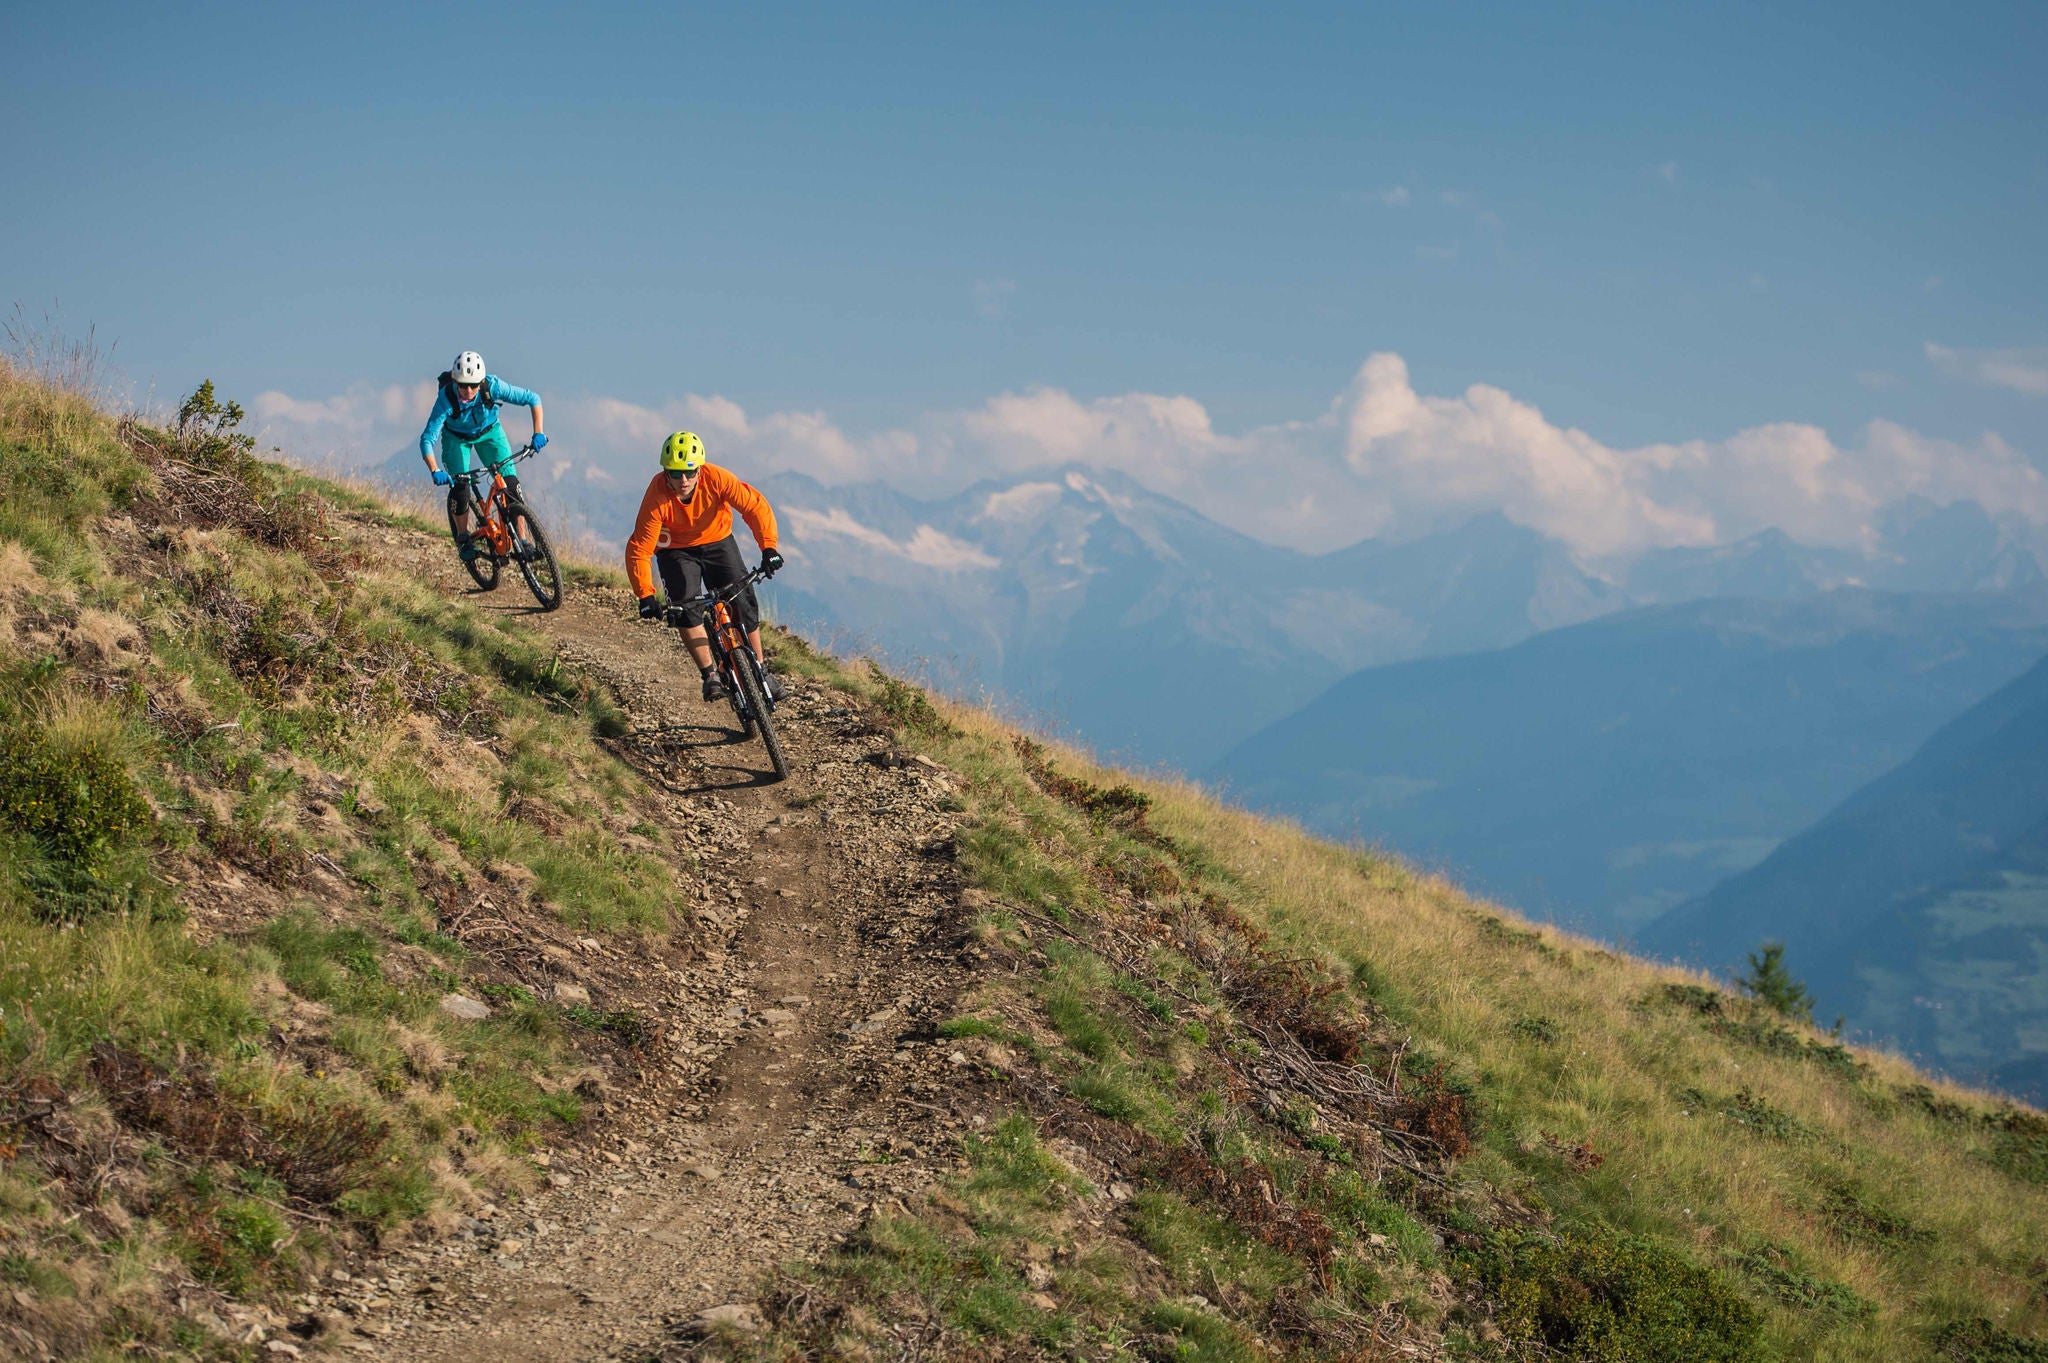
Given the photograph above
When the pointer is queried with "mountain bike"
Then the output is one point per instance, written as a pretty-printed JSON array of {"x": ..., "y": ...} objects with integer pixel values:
[
  {"x": 732, "y": 659},
  {"x": 506, "y": 531}
]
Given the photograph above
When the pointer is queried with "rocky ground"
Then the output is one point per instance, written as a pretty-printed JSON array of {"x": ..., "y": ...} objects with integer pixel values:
[{"x": 797, "y": 1084}]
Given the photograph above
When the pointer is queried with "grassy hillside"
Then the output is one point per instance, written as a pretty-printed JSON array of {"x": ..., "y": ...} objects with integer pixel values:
[
  {"x": 269, "y": 811},
  {"x": 1278, "y": 1097},
  {"x": 248, "y": 781}
]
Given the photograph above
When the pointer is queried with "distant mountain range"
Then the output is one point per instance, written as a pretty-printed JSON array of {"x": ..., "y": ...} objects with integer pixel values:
[
  {"x": 1136, "y": 625},
  {"x": 1143, "y": 629},
  {"x": 1918, "y": 907},
  {"x": 1602, "y": 774}
]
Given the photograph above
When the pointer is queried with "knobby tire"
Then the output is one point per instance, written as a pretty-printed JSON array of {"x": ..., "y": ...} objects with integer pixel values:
[
  {"x": 543, "y": 576},
  {"x": 483, "y": 569},
  {"x": 757, "y": 702}
]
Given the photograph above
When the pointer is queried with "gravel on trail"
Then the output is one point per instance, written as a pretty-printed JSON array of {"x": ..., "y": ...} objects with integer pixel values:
[{"x": 797, "y": 1085}]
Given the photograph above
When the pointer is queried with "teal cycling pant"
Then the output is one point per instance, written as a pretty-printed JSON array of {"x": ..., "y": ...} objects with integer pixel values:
[{"x": 492, "y": 450}]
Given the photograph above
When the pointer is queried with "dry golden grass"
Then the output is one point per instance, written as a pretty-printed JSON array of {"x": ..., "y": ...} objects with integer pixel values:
[{"x": 1460, "y": 974}]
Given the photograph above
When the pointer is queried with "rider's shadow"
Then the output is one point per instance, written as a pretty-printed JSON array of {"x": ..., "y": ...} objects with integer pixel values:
[
  {"x": 669, "y": 738},
  {"x": 508, "y": 607}
]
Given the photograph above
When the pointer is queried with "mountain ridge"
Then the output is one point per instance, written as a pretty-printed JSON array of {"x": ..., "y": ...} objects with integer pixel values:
[
  {"x": 1958, "y": 830},
  {"x": 1588, "y": 772}
]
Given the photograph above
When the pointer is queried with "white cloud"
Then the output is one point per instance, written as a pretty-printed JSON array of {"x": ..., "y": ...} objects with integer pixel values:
[
  {"x": 927, "y": 546},
  {"x": 1019, "y": 503},
  {"x": 1667, "y": 171},
  {"x": 1397, "y": 197},
  {"x": 349, "y": 423},
  {"x": 2024, "y": 370},
  {"x": 1381, "y": 459}
]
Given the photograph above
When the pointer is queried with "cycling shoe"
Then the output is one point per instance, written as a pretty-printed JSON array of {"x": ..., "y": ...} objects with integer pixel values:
[
  {"x": 775, "y": 688},
  {"x": 469, "y": 551},
  {"x": 714, "y": 689}
]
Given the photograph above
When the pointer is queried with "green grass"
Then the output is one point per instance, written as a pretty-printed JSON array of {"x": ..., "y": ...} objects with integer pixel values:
[
  {"x": 1640, "y": 1166},
  {"x": 234, "y": 668},
  {"x": 1205, "y": 1254}
]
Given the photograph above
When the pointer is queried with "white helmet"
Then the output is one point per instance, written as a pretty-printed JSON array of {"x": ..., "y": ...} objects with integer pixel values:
[{"x": 468, "y": 368}]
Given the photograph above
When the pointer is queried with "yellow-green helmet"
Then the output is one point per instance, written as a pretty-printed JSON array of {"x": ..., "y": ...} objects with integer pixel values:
[{"x": 682, "y": 452}]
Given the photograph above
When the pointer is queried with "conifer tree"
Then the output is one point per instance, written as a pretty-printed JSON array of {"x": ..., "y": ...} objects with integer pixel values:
[{"x": 1771, "y": 984}]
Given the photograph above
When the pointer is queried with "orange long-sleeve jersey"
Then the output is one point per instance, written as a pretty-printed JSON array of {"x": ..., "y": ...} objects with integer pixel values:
[{"x": 666, "y": 521}]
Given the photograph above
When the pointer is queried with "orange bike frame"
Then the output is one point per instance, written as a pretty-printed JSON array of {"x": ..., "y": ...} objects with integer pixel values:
[
  {"x": 492, "y": 516},
  {"x": 721, "y": 620}
]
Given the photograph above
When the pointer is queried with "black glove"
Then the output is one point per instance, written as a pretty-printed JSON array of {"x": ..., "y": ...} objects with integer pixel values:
[
  {"x": 650, "y": 609},
  {"x": 677, "y": 618},
  {"x": 771, "y": 563}
]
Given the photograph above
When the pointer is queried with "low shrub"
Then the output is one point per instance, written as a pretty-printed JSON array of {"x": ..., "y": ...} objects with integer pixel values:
[
  {"x": 1604, "y": 1297},
  {"x": 1850, "y": 1215},
  {"x": 1977, "y": 1340},
  {"x": 318, "y": 1155},
  {"x": 907, "y": 705},
  {"x": 1748, "y": 1109},
  {"x": 77, "y": 806},
  {"x": 1776, "y": 1269}
]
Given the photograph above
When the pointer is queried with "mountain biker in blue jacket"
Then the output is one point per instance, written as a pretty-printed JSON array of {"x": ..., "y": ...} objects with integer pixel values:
[{"x": 464, "y": 423}]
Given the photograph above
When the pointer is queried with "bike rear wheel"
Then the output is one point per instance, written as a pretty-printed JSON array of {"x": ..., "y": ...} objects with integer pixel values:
[
  {"x": 483, "y": 569},
  {"x": 757, "y": 701},
  {"x": 537, "y": 564}
]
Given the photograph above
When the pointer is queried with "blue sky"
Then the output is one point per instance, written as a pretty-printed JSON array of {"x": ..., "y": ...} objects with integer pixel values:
[{"x": 1652, "y": 226}]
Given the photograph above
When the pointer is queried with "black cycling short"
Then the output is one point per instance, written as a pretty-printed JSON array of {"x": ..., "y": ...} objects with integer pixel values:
[
  {"x": 458, "y": 494},
  {"x": 686, "y": 572}
]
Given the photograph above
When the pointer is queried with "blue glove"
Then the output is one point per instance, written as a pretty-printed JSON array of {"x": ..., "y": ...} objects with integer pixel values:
[
  {"x": 441, "y": 478},
  {"x": 540, "y": 441}
]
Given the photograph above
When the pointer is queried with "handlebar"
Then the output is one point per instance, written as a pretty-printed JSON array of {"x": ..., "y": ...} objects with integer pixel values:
[
  {"x": 723, "y": 593},
  {"x": 477, "y": 474}
]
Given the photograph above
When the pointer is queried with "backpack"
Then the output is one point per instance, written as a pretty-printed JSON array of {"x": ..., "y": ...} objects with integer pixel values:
[{"x": 447, "y": 382}]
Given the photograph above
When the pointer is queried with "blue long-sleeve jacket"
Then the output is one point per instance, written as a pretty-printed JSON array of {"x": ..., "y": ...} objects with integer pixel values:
[{"x": 471, "y": 419}]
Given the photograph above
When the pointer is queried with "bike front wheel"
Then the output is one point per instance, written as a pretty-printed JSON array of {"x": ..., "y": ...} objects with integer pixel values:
[
  {"x": 736, "y": 696},
  {"x": 536, "y": 559},
  {"x": 483, "y": 569},
  {"x": 757, "y": 702}
]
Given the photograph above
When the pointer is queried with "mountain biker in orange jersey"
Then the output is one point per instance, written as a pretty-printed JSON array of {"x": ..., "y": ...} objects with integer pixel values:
[{"x": 685, "y": 527}]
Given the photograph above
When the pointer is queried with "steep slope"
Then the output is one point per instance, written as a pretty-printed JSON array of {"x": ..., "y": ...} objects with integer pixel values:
[
  {"x": 1918, "y": 907},
  {"x": 337, "y": 912},
  {"x": 952, "y": 1046},
  {"x": 1603, "y": 774}
]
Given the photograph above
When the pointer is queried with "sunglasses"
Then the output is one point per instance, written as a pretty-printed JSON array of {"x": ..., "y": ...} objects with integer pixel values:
[
  {"x": 466, "y": 389},
  {"x": 681, "y": 476}
]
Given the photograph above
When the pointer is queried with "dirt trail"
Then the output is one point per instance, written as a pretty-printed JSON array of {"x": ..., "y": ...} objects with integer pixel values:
[{"x": 798, "y": 1085}]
